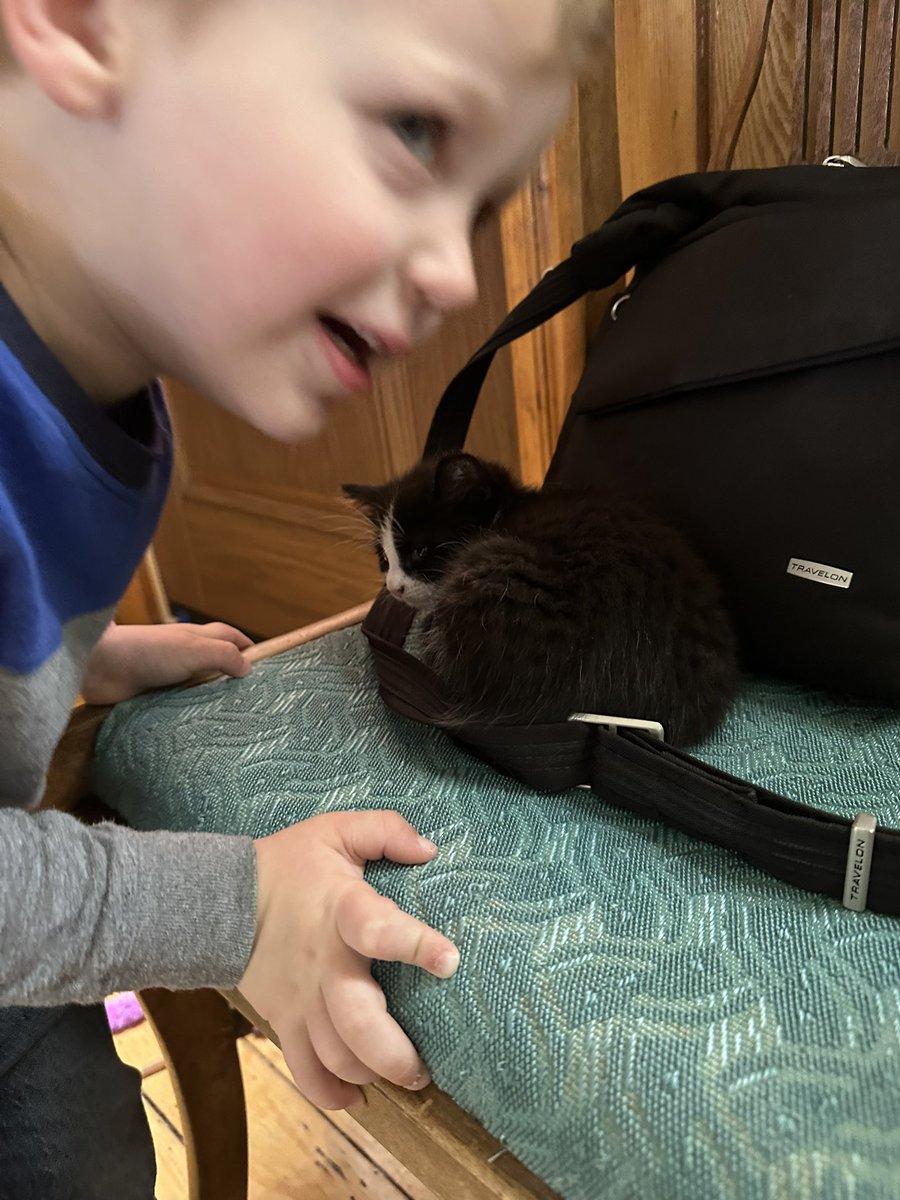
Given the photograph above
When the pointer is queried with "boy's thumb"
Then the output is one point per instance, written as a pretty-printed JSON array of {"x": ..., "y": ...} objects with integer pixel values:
[{"x": 215, "y": 655}]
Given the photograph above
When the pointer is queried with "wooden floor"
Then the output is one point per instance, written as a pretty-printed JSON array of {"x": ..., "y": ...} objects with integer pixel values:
[{"x": 297, "y": 1152}]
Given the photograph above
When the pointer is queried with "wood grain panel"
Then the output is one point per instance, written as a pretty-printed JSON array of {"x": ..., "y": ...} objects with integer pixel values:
[
  {"x": 822, "y": 48},
  {"x": 877, "y": 85},
  {"x": 893, "y": 119},
  {"x": 657, "y": 65},
  {"x": 734, "y": 62},
  {"x": 772, "y": 133},
  {"x": 848, "y": 77},
  {"x": 811, "y": 78},
  {"x": 271, "y": 566},
  {"x": 539, "y": 226}
]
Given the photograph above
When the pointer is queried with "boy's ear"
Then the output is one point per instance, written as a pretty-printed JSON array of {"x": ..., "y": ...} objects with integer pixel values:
[{"x": 72, "y": 48}]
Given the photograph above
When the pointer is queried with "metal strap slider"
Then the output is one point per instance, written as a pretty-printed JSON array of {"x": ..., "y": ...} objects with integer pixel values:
[
  {"x": 859, "y": 861},
  {"x": 613, "y": 724}
]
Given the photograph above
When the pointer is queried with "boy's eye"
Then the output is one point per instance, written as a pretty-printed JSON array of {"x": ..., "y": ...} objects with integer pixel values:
[{"x": 422, "y": 136}]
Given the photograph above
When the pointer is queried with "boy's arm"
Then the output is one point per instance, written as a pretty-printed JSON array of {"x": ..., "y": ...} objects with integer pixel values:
[{"x": 89, "y": 910}]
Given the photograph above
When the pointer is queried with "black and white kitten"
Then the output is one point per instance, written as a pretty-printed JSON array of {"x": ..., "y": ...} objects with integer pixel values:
[{"x": 544, "y": 603}]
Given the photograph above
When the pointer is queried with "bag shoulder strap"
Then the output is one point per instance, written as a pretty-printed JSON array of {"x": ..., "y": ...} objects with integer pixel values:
[{"x": 796, "y": 843}]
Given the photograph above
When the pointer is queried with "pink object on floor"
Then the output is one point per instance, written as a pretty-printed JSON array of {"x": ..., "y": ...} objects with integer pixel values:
[{"x": 123, "y": 1011}]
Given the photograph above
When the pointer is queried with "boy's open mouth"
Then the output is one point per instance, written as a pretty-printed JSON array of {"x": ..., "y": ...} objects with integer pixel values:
[{"x": 357, "y": 346}]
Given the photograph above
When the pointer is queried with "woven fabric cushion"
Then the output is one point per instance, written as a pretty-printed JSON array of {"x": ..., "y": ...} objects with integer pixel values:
[{"x": 636, "y": 1013}]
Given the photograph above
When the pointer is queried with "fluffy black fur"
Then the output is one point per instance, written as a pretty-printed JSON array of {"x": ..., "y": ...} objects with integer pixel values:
[{"x": 544, "y": 603}]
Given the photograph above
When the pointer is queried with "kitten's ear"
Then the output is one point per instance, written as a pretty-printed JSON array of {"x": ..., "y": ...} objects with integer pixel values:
[
  {"x": 370, "y": 499},
  {"x": 459, "y": 477}
]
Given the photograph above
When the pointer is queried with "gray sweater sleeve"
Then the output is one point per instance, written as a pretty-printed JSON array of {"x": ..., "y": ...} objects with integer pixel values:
[{"x": 89, "y": 910}]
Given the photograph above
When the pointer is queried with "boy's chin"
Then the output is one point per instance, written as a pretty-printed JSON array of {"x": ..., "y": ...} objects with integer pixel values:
[{"x": 294, "y": 418}]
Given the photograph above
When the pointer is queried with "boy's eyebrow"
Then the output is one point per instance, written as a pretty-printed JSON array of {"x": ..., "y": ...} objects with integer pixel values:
[{"x": 464, "y": 93}]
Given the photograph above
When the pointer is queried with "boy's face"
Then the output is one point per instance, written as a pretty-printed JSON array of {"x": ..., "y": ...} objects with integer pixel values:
[{"x": 293, "y": 178}]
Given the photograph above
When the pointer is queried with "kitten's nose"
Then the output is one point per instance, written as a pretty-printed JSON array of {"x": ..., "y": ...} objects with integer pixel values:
[{"x": 396, "y": 584}]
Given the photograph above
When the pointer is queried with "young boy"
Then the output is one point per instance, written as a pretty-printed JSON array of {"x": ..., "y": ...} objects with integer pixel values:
[{"x": 244, "y": 194}]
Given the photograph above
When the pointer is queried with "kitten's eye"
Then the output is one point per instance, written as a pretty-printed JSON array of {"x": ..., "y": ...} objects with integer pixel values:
[
  {"x": 423, "y": 136},
  {"x": 419, "y": 554}
]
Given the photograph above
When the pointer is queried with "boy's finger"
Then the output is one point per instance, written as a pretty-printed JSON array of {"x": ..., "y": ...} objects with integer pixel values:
[
  {"x": 315, "y": 1081},
  {"x": 375, "y": 927},
  {"x": 359, "y": 1014},
  {"x": 381, "y": 833},
  {"x": 332, "y": 1051},
  {"x": 214, "y": 655},
  {"x": 224, "y": 633}
]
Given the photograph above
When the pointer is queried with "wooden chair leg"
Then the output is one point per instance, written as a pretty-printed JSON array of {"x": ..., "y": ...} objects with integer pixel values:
[{"x": 197, "y": 1034}]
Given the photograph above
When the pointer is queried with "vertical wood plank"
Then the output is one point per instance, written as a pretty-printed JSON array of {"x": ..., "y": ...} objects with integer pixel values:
[
  {"x": 657, "y": 76},
  {"x": 773, "y": 131},
  {"x": 893, "y": 121},
  {"x": 819, "y": 109},
  {"x": 539, "y": 225},
  {"x": 738, "y": 40},
  {"x": 848, "y": 77},
  {"x": 877, "y": 80}
]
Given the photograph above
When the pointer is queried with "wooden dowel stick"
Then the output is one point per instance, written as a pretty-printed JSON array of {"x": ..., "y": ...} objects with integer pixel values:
[{"x": 308, "y": 633}]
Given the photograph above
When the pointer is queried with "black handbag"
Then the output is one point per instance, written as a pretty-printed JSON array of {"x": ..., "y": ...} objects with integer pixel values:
[{"x": 746, "y": 385}]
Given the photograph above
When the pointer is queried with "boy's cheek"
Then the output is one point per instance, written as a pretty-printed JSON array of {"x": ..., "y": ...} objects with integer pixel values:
[{"x": 277, "y": 261}]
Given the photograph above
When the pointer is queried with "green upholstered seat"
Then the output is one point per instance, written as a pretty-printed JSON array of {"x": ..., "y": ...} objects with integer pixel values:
[{"x": 637, "y": 1014}]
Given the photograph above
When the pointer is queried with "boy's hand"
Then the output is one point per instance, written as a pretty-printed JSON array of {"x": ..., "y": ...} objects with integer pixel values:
[
  {"x": 318, "y": 926},
  {"x": 129, "y": 659}
]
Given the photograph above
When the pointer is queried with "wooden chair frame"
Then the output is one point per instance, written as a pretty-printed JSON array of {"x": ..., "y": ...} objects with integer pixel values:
[{"x": 441, "y": 1145}]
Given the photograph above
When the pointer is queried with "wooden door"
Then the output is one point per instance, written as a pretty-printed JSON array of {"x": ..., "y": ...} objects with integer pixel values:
[{"x": 712, "y": 84}]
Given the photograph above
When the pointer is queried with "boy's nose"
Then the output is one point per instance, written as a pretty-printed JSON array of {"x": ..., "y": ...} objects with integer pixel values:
[{"x": 443, "y": 273}]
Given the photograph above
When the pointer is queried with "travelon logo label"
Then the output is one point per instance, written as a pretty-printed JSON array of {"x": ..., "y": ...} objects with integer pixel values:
[{"x": 820, "y": 573}]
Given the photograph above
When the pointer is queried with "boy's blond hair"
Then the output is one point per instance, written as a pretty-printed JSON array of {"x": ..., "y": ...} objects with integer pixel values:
[{"x": 585, "y": 27}]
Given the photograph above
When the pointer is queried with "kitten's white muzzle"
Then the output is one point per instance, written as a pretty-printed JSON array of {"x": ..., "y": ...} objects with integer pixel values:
[{"x": 414, "y": 592}]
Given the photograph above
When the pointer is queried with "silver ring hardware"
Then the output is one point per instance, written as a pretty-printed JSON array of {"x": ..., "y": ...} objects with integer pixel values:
[
  {"x": 859, "y": 861},
  {"x": 614, "y": 311}
]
